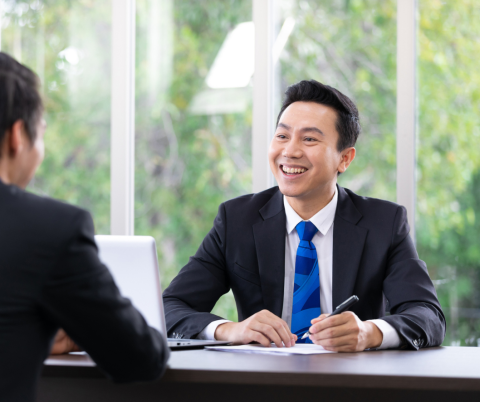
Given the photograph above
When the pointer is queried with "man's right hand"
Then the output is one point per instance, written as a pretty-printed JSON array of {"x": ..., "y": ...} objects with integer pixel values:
[{"x": 263, "y": 327}]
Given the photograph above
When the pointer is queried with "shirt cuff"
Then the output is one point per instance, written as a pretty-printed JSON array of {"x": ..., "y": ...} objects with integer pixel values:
[
  {"x": 391, "y": 339},
  {"x": 208, "y": 333}
]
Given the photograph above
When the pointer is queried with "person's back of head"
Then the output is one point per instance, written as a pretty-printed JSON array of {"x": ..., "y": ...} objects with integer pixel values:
[
  {"x": 19, "y": 97},
  {"x": 21, "y": 122}
]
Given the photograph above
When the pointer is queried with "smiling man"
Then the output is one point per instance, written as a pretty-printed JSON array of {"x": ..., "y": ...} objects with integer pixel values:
[{"x": 292, "y": 253}]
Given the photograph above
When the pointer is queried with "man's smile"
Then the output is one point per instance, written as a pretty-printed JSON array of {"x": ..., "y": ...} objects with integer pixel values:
[{"x": 292, "y": 170}]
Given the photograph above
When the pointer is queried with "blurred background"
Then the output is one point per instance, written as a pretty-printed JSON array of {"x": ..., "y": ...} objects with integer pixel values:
[{"x": 194, "y": 80}]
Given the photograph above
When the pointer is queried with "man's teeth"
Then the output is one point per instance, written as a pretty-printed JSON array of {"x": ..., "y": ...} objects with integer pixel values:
[{"x": 293, "y": 170}]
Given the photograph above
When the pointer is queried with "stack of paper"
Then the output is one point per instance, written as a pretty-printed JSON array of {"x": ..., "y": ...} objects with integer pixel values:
[{"x": 299, "y": 349}]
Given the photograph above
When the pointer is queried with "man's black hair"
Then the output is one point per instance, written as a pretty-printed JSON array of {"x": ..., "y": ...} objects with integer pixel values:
[
  {"x": 19, "y": 97},
  {"x": 348, "y": 121}
]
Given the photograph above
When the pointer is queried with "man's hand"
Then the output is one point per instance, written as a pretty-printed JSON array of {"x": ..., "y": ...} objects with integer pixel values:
[
  {"x": 345, "y": 333},
  {"x": 263, "y": 327},
  {"x": 63, "y": 344}
]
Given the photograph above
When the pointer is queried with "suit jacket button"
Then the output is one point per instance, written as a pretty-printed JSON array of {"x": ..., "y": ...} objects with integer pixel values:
[{"x": 415, "y": 342}]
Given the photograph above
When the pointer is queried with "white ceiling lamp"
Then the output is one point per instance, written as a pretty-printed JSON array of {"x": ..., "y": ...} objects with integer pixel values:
[
  {"x": 231, "y": 72},
  {"x": 234, "y": 64},
  {"x": 282, "y": 38}
]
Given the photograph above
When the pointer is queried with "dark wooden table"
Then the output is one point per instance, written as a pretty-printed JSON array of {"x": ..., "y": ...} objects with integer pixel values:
[{"x": 437, "y": 374}]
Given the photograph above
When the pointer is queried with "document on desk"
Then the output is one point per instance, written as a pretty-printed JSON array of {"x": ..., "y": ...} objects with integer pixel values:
[{"x": 299, "y": 349}]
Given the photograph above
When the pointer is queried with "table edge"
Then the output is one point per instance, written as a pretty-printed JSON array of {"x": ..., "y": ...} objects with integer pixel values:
[{"x": 333, "y": 380}]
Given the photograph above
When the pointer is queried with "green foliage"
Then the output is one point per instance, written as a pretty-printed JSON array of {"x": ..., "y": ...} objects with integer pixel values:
[
  {"x": 352, "y": 46},
  {"x": 448, "y": 167},
  {"x": 187, "y": 164},
  {"x": 76, "y": 95}
]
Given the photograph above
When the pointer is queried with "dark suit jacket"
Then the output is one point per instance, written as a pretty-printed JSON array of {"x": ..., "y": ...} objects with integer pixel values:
[
  {"x": 51, "y": 277},
  {"x": 373, "y": 258}
]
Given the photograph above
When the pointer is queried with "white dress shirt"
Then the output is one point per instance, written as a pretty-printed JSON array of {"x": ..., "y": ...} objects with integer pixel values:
[{"x": 323, "y": 242}]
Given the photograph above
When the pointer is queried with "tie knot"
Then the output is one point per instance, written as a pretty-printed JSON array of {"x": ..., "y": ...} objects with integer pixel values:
[{"x": 306, "y": 230}]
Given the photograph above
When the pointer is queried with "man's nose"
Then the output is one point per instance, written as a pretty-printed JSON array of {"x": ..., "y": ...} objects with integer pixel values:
[{"x": 292, "y": 150}]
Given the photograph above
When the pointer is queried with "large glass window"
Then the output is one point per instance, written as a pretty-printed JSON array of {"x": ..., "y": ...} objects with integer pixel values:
[
  {"x": 68, "y": 45},
  {"x": 448, "y": 166},
  {"x": 194, "y": 65},
  {"x": 350, "y": 45}
]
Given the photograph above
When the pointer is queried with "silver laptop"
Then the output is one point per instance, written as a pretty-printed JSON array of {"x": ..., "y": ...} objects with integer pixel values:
[{"x": 132, "y": 260}]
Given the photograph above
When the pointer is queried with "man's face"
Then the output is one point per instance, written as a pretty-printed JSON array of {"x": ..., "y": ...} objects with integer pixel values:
[
  {"x": 31, "y": 156},
  {"x": 303, "y": 154}
]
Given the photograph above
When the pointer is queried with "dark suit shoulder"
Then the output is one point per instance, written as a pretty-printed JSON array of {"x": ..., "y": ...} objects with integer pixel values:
[
  {"x": 23, "y": 198},
  {"x": 382, "y": 217},
  {"x": 46, "y": 218},
  {"x": 247, "y": 208}
]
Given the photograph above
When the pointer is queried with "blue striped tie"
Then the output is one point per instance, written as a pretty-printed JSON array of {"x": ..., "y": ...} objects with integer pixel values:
[{"x": 306, "y": 291}]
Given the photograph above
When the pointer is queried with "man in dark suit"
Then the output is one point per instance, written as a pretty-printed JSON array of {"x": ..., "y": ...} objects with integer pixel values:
[
  {"x": 50, "y": 273},
  {"x": 292, "y": 253}
]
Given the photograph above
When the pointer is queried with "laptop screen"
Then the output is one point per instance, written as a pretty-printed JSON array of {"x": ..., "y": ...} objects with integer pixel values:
[{"x": 132, "y": 260}]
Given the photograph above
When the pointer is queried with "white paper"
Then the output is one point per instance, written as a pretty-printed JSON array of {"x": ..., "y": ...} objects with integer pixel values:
[{"x": 299, "y": 349}]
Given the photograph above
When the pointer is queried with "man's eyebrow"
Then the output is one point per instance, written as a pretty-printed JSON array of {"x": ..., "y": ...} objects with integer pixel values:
[
  {"x": 315, "y": 129},
  {"x": 283, "y": 125},
  {"x": 303, "y": 130}
]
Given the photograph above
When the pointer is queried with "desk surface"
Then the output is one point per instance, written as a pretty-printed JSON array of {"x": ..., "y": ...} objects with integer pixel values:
[{"x": 442, "y": 368}]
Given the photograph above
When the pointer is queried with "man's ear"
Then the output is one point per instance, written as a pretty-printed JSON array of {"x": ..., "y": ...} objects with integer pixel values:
[
  {"x": 15, "y": 139},
  {"x": 347, "y": 156}
]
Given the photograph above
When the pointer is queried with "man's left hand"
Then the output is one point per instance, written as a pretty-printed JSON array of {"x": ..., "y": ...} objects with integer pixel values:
[
  {"x": 63, "y": 344},
  {"x": 345, "y": 333}
]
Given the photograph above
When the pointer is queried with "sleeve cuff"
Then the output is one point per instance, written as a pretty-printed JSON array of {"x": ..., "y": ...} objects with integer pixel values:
[
  {"x": 208, "y": 333},
  {"x": 391, "y": 339}
]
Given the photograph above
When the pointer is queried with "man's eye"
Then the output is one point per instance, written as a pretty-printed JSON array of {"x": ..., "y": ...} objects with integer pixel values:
[
  {"x": 281, "y": 136},
  {"x": 309, "y": 139}
]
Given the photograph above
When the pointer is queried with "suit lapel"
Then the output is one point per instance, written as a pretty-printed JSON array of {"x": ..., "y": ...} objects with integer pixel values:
[
  {"x": 269, "y": 235},
  {"x": 348, "y": 243}
]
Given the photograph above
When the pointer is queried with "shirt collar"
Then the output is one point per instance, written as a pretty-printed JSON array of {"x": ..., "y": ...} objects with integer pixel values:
[{"x": 322, "y": 220}]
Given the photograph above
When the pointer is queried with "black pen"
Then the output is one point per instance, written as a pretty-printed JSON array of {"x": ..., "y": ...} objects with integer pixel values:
[{"x": 339, "y": 310}]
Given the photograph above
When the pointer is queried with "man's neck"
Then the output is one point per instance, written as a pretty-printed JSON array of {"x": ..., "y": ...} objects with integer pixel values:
[
  {"x": 7, "y": 172},
  {"x": 307, "y": 207},
  {"x": 4, "y": 176}
]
